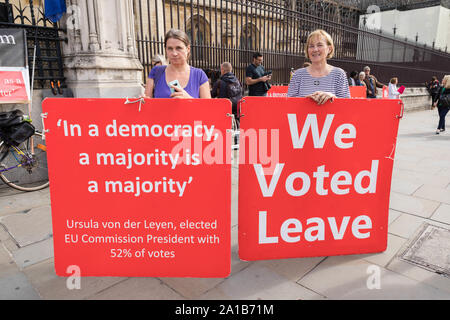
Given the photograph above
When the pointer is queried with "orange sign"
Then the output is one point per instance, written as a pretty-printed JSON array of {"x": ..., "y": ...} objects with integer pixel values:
[
  {"x": 314, "y": 180},
  {"x": 140, "y": 193},
  {"x": 277, "y": 91},
  {"x": 358, "y": 92},
  {"x": 13, "y": 85}
]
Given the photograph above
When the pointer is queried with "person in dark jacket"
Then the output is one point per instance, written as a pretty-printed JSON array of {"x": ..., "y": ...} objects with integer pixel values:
[
  {"x": 433, "y": 89},
  {"x": 371, "y": 83},
  {"x": 442, "y": 109},
  {"x": 228, "y": 86}
]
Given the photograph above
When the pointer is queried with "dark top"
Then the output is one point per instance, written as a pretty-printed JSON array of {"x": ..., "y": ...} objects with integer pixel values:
[
  {"x": 440, "y": 93},
  {"x": 197, "y": 77},
  {"x": 255, "y": 72},
  {"x": 219, "y": 89}
]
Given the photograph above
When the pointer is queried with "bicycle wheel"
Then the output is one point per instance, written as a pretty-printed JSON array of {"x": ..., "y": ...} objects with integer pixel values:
[{"x": 23, "y": 169}]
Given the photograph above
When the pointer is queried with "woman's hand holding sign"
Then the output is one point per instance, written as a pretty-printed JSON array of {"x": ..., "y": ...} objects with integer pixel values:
[{"x": 322, "y": 97}]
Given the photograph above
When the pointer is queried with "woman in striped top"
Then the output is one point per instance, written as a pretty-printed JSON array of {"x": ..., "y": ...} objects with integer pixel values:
[{"x": 320, "y": 81}]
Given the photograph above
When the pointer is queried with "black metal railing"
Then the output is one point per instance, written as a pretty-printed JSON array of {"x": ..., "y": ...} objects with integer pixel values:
[
  {"x": 231, "y": 30},
  {"x": 43, "y": 36}
]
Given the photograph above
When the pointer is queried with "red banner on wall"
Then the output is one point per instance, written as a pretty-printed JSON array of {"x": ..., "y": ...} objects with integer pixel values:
[
  {"x": 140, "y": 193},
  {"x": 277, "y": 91},
  {"x": 315, "y": 180},
  {"x": 14, "y": 85}
]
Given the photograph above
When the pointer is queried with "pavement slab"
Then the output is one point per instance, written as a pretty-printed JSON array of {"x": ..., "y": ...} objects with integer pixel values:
[
  {"x": 260, "y": 283},
  {"x": 52, "y": 287},
  {"x": 347, "y": 277},
  {"x": 29, "y": 227},
  {"x": 138, "y": 289}
]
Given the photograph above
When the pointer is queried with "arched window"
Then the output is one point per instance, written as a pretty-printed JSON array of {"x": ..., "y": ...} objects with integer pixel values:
[
  {"x": 249, "y": 39},
  {"x": 198, "y": 30}
]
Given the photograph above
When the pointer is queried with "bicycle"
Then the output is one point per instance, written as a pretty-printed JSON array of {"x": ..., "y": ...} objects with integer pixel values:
[{"x": 24, "y": 166}]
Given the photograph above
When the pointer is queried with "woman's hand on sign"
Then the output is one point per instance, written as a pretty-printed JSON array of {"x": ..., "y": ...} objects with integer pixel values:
[
  {"x": 322, "y": 97},
  {"x": 180, "y": 93}
]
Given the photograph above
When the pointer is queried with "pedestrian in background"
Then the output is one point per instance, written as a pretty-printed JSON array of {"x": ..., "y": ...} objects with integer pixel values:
[
  {"x": 392, "y": 89},
  {"x": 320, "y": 81},
  {"x": 443, "y": 103},
  {"x": 362, "y": 76},
  {"x": 228, "y": 86},
  {"x": 371, "y": 83},
  {"x": 353, "y": 80},
  {"x": 192, "y": 82},
  {"x": 433, "y": 89},
  {"x": 256, "y": 77},
  {"x": 158, "y": 60}
]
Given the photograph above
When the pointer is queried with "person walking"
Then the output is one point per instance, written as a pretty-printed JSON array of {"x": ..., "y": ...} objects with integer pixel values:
[
  {"x": 443, "y": 103},
  {"x": 178, "y": 80},
  {"x": 256, "y": 77},
  {"x": 433, "y": 89},
  {"x": 321, "y": 82},
  {"x": 228, "y": 86},
  {"x": 392, "y": 89},
  {"x": 371, "y": 83}
]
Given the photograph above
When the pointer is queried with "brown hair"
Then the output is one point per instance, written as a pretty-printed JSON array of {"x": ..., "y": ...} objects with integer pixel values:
[
  {"x": 177, "y": 34},
  {"x": 328, "y": 39},
  {"x": 394, "y": 80}
]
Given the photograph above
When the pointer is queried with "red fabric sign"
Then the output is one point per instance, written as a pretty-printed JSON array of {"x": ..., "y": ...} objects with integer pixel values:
[
  {"x": 358, "y": 92},
  {"x": 315, "y": 180},
  {"x": 12, "y": 87},
  {"x": 140, "y": 193},
  {"x": 277, "y": 91}
]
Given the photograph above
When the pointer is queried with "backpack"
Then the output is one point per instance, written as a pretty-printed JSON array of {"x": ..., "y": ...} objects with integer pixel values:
[{"x": 234, "y": 90}]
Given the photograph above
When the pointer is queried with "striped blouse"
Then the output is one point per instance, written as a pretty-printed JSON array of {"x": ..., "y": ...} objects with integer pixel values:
[{"x": 303, "y": 84}]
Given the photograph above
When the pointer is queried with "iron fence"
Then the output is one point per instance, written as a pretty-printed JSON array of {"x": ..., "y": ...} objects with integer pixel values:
[
  {"x": 230, "y": 30},
  {"x": 42, "y": 34}
]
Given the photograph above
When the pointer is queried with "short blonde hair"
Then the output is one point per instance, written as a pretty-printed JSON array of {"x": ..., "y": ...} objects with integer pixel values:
[
  {"x": 320, "y": 33},
  {"x": 159, "y": 58},
  {"x": 362, "y": 73},
  {"x": 446, "y": 79}
]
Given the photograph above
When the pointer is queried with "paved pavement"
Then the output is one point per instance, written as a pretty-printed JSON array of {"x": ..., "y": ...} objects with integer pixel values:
[{"x": 420, "y": 194}]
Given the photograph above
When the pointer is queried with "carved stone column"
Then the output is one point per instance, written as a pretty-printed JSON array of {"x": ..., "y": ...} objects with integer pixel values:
[{"x": 100, "y": 57}]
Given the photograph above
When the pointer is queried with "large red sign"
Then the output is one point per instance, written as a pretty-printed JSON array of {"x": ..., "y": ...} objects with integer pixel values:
[
  {"x": 13, "y": 86},
  {"x": 140, "y": 190},
  {"x": 315, "y": 180}
]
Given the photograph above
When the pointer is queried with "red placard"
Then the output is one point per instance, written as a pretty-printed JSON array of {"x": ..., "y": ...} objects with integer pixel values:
[
  {"x": 13, "y": 88},
  {"x": 278, "y": 91},
  {"x": 358, "y": 92},
  {"x": 315, "y": 180},
  {"x": 140, "y": 193}
]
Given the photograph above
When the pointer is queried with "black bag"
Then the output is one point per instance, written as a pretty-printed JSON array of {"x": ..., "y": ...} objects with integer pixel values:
[
  {"x": 10, "y": 118},
  {"x": 444, "y": 99},
  {"x": 234, "y": 90},
  {"x": 18, "y": 133}
]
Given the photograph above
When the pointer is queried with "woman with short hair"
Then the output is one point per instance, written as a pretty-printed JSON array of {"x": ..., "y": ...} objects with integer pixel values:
[
  {"x": 158, "y": 60},
  {"x": 320, "y": 81},
  {"x": 192, "y": 82}
]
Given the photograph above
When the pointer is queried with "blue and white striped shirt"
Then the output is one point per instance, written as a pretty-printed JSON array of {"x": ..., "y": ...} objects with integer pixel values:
[{"x": 303, "y": 84}]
